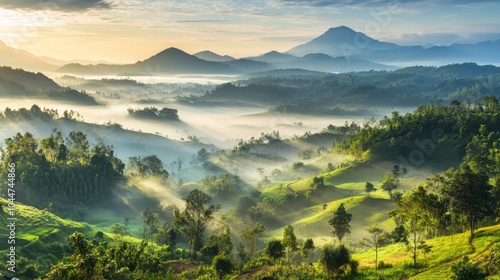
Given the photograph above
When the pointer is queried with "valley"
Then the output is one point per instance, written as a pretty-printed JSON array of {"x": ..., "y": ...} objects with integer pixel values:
[{"x": 331, "y": 159}]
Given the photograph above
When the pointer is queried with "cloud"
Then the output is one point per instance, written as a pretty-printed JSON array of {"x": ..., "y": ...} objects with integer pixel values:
[
  {"x": 442, "y": 38},
  {"x": 378, "y": 3},
  {"x": 58, "y": 5},
  {"x": 200, "y": 20}
]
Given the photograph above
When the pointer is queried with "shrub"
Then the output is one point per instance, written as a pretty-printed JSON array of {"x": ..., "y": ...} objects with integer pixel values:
[
  {"x": 465, "y": 270},
  {"x": 222, "y": 265}
]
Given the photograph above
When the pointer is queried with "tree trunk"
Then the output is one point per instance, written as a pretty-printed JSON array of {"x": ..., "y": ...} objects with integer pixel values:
[
  {"x": 415, "y": 249},
  {"x": 472, "y": 225},
  {"x": 376, "y": 257},
  {"x": 288, "y": 255}
]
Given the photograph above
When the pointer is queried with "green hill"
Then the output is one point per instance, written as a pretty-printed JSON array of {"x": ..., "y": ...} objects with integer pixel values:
[
  {"x": 446, "y": 251},
  {"x": 40, "y": 235}
]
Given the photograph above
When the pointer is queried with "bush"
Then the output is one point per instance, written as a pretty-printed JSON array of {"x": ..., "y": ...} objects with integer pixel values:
[
  {"x": 336, "y": 260},
  {"x": 465, "y": 270},
  {"x": 257, "y": 263},
  {"x": 222, "y": 265}
]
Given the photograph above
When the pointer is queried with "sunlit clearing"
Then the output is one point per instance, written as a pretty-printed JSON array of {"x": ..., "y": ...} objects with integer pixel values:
[{"x": 164, "y": 193}]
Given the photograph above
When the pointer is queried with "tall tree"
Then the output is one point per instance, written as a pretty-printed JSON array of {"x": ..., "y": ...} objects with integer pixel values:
[
  {"x": 194, "y": 218},
  {"x": 374, "y": 241},
  {"x": 307, "y": 248},
  {"x": 150, "y": 222},
  {"x": 413, "y": 219},
  {"x": 471, "y": 196},
  {"x": 290, "y": 242},
  {"x": 250, "y": 233},
  {"x": 340, "y": 222}
]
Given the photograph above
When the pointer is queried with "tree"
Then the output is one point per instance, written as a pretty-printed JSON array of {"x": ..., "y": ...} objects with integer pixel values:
[
  {"x": 218, "y": 244},
  {"x": 203, "y": 155},
  {"x": 274, "y": 249},
  {"x": 374, "y": 240},
  {"x": 471, "y": 196},
  {"x": 223, "y": 265},
  {"x": 465, "y": 270},
  {"x": 194, "y": 218},
  {"x": 290, "y": 242},
  {"x": 369, "y": 188},
  {"x": 275, "y": 173},
  {"x": 307, "y": 247},
  {"x": 261, "y": 171},
  {"x": 340, "y": 222},
  {"x": 411, "y": 216},
  {"x": 250, "y": 234},
  {"x": 78, "y": 147},
  {"x": 172, "y": 237},
  {"x": 389, "y": 183},
  {"x": 334, "y": 259},
  {"x": 149, "y": 224},
  {"x": 117, "y": 229}
]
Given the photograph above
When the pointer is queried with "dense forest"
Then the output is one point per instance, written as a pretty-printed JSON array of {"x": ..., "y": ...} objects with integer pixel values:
[{"x": 331, "y": 93}]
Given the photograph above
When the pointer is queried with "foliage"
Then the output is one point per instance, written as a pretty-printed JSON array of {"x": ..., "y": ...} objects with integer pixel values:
[
  {"x": 223, "y": 185},
  {"x": 65, "y": 171},
  {"x": 249, "y": 234},
  {"x": 335, "y": 259},
  {"x": 465, "y": 270},
  {"x": 274, "y": 249},
  {"x": 155, "y": 113},
  {"x": 471, "y": 196},
  {"x": 147, "y": 166},
  {"x": 420, "y": 131},
  {"x": 369, "y": 188},
  {"x": 290, "y": 242},
  {"x": 340, "y": 222},
  {"x": 115, "y": 260},
  {"x": 218, "y": 244},
  {"x": 194, "y": 218},
  {"x": 413, "y": 215},
  {"x": 374, "y": 241},
  {"x": 307, "y": 248},
  {"x": 223, "y": 265}
]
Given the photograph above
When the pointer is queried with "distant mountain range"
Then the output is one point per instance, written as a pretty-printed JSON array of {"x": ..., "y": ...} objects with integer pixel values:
[
  {"x": 339, "y": 49},
  {"x": 22, "y": 59},
  {"x": 345, "y": 42},
  {"x": 17, "y": 58}
]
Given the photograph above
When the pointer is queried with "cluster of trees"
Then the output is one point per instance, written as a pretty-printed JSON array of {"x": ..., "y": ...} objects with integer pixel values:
[
  {"x": 155, "y": 113},
  {"x": 222, "y": 185},
  {"x": 146, "y": 167},
  {"x": 36, "y": 113},
  {"x": 64, "y": 170},
  {"x": 468, "y": 125},
  {"x": 248, "y": 146},
  {"x": 119, "y": 259}
]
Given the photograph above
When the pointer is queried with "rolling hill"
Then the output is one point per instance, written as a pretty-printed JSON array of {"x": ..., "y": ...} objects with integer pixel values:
[{"x": 17, "y": 83}]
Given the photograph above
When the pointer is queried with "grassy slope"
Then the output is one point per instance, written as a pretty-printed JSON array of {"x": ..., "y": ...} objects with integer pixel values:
[
  {"x": 40, "y": 235},
  {"x": 446, "y": 251},
  {"x": 347, "y": 186}
]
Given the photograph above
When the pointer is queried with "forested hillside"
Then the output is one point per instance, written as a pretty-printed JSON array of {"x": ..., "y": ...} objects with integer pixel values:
[{"x": 330, "y": 93}]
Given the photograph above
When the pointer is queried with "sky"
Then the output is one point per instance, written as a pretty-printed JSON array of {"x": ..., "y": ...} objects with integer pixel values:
[{"x": 125, "y": 31}]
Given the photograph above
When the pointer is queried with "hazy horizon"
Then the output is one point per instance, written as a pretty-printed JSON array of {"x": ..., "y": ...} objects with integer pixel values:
[{"x": 125, "y": 32}]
